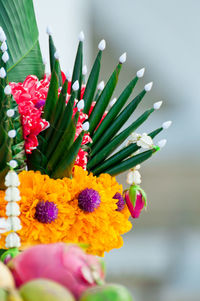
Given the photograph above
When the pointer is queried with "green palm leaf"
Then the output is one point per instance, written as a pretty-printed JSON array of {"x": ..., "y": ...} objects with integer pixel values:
[{"x": 19, "y": 23}]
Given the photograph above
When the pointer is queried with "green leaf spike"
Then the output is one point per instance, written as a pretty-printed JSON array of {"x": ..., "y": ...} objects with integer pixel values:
[
  {"x": 105, "y": 97},
  {"x": 116, "y": 141}
]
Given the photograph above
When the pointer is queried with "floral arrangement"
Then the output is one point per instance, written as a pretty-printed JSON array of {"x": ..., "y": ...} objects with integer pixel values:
[{"x": 59, "y": 154}]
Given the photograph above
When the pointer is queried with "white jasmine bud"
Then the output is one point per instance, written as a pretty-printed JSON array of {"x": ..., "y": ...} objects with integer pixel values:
[
  {"x": 102, "y": 45},
  {"x": 166, "y": 124},
  {"x": 5, "y": 57},
  {"x": 81, "y": 36},
  {"x": 12, "y": 179},
  {"x": 2, "y": 35},
  {"x": 56, "y": 55},
  {"x": 148, "y": 87},
  {"x": 12, "y": 209},
  {"x": 69, "y": 75},
  {"x": 157, "y": 105},
  {"x": 2, "y": 72},
  {"x": 162, "y": 143},
  {"x": 80, "y": 105},
  {"x": 140, "y": 73},
  {"x": 113, "y": 101},
  {"x": 48, "y": 30},
  {"x": 86, "y": 126},
  {"x": 101, "y": 85},
  {"x": 122, "y": 58},
  {"x": 13, "y": 240},
  {"x": 84, "y": 70},
  {"x": 12, "y": 133},
  {"x": 4, "y": 46},
  {"x": 75, "y": 85},
  {"x": 7, "y": 90},
  {"x": 44, "y": 60}
]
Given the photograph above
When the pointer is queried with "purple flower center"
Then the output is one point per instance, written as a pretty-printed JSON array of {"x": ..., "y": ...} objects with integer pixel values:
[
  {"x": 40, "y": 103},
  {"x": 121, "y": 202},
  {"x": 46, "y": 212},
  {"x": 88, "y": 200}
]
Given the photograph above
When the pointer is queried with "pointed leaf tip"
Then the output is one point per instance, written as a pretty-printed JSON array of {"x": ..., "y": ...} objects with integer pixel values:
[
  {"x": 140, "y": 73},
  {"x": 101, "y": 85},
  {"x": 84, "y": 70},
  {"x": 48, "y": 30},
  {"x": 157, "y": 105},
  {"x": 122, "y": 58},
  {"x": 75, "y": 85},
  {"x": 166, "y": 124},
  {"x": 148, "y": 87},
  {"x": 81, "y": 36},
  {"x": 102, "y": 45},
  {"x": 162, "y": 143}
]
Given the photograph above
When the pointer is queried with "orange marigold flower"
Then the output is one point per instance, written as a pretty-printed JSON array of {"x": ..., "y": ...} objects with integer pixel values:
[{"x": 100, "y": 229}]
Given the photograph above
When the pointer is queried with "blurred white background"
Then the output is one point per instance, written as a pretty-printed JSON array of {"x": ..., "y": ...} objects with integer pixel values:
[{"x": 160, "y": 260}]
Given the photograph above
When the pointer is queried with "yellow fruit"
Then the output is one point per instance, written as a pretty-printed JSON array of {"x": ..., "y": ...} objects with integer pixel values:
[
  {"x": 13, "y": 295},
  {"x": 6, "y": 278},
  {"x": 44, "y": 290}
]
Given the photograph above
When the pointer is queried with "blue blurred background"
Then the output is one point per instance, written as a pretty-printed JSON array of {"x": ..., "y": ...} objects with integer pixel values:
[{"x": 160, "y": 260}]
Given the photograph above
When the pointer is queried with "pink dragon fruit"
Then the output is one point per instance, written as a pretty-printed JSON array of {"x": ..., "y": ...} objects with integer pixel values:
[
  {"x": 66, "y": 264},
  {"x": 135, "y": 199}
]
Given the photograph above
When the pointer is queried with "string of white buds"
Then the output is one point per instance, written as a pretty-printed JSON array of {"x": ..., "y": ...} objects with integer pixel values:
[
  {"x": 75, "y": 85},
  {"x": 12, "y": 196},
  {"x": 5, "y": 57},
  {"x": 2, "y": 72}
]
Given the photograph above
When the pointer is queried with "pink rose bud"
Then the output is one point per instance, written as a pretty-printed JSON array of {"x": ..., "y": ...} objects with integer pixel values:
[{"x": 135, "y": 199}]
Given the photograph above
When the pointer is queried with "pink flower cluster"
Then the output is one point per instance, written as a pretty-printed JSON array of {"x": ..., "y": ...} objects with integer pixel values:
[{"x": 30, "y": 97}]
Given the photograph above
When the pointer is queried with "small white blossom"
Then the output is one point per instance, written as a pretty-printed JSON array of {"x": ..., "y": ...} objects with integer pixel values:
[
  {"x": 75, "y": 85},
  {"x": 13, "y": 240},
  {"x": 7, "y": 90},
  {"x": 122, "y": 58},
  {"x": 4, "y": 47},
  {"x": 86, "y": 126},
  {"x": 145, "y": 141},
  {"x": 5, "y": 57},
  {"x": 12, "y": 133},
  {"x": 2, "y": 72},
  {"x": 80, "y": 105},
  {"x": 133, "y": 177},
  {"x": 13, "y": 163}
]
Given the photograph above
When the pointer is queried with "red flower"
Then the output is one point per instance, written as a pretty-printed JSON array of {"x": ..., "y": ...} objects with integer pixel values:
[{"x": 30, "y": 97}]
